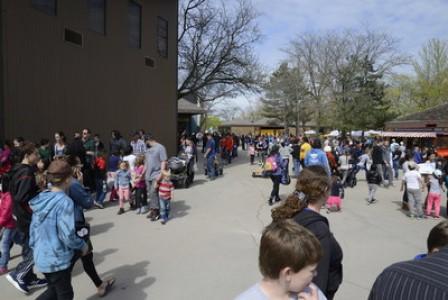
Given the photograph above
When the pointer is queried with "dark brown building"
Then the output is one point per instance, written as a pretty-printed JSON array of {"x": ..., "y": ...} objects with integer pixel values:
[{"x": 101, "y": 64}]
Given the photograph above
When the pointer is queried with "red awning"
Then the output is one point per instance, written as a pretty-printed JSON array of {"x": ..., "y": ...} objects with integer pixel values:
[{"x": 409, "y": 134}]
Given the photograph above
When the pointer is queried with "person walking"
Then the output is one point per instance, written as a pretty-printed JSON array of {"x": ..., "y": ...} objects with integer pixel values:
[
  {"x": 155, "y": 161},
  {"x": 53, "y": 236},
  {"x": 209, "y": 155},
  {"x": 414, "y": 185},
  {"x": 274, "y": 169},
  {"x": 378, "y": 158},
  {"x": 23, "y": 188},
  {"x": 317, "y": 157},
  {"x": 82, "y": 200}
]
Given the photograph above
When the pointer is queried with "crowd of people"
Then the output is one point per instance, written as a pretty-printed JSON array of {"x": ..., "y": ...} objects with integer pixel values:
[
  {"x": 300, "y": 258},
  {"x": 46, "y": 187}
]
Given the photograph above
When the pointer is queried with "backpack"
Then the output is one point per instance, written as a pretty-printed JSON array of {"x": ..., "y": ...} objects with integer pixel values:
[{"x": 271, "y": 164}]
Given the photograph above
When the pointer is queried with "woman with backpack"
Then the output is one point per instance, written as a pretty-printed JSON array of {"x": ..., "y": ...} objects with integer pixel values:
[{"x": 273, "y": 168}]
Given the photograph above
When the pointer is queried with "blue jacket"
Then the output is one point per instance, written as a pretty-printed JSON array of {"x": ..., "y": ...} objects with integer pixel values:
[
  {"x": 317, "y": 157},
  {"x": 52, "y": 232},
  {"x": 81, "y": 198},
  {"x": 123, "y": 179}
]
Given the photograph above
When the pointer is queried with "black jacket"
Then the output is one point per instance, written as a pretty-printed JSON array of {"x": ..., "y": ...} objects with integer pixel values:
[
  {"x": 377, "y": 155},
  {"x": 23, "y": 188},
  {"x": 329, "y": 269}
]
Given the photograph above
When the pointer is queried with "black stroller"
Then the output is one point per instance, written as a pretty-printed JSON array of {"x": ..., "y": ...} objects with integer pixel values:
[{"x": 182, "y": 170}]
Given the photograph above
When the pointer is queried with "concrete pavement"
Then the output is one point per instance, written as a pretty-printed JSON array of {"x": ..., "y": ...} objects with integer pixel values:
[{"x": 208, "y": 250}]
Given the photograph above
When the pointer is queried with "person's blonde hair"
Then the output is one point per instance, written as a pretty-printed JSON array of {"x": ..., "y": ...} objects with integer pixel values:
[{"x": 287, "y": 244}]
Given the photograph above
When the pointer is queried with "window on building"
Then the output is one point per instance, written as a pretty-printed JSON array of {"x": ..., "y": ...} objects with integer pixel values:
[
  {"x": 97, "y": 15},
  {"x": 48, "y": 7},
  {"x": 73, "y": 37},
  {"x": 162, "y": 37},
  {"x": 135, "y": 24}
]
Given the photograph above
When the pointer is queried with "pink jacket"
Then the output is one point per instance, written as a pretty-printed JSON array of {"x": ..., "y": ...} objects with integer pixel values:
[{"x": 6, "y": 205}]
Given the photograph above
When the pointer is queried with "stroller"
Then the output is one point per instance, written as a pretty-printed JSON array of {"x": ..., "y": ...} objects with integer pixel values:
[
  {"x": 259, "y": 172},
  {"x": 182, "y": 170}
]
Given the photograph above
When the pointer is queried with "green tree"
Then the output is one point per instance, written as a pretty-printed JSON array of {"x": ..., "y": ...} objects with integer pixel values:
[{"x": 432, "y": 74}]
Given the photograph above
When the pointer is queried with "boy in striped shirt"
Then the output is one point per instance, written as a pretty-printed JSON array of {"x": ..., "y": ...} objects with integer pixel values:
[{"x": 166, "y": 188}]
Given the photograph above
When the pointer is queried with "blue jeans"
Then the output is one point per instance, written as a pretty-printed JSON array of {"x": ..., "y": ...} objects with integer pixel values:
[
  {"x": 10, "y": 236},
  {"x": 297, "y": 166},
  {"x": 100, "y": 193},
  {"x": 211, "y": 172},
  {"x": 165, "y": 206},
  {"x": 396, "y": 166}
]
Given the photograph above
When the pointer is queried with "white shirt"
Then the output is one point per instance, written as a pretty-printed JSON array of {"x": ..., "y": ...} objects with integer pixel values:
[
  {"x": 412, "y": 179},
  {"x": 130, "y": 159}
]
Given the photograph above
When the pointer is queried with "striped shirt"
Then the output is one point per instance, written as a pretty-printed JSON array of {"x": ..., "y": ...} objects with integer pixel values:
[
  {"x": 417, "y": 279},
  {"x": 166, "y": 188},
  {"x": 138, "y": 147}
]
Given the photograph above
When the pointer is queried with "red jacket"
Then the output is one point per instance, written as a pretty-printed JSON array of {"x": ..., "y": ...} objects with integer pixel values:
[
  {"x": 229, "y": 143},
  {"x": 6, "y": 204}
]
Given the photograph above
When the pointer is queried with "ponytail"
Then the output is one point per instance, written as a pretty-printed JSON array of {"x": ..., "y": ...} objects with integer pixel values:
[{"x": 312, "y": 186}]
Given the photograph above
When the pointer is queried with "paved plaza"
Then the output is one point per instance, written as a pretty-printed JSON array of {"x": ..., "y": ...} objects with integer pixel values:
[{"x": 209, "y": 248}]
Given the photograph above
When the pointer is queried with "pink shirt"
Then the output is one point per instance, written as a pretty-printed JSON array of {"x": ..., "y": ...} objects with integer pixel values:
[{"x": 139, "y": 183}]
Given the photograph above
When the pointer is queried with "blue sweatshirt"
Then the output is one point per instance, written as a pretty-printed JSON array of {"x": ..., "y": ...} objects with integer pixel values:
[
  {"x": 81, "y": 198},
  {"x": 317, "y": 157},
  {"x": 52, "y": 232}
]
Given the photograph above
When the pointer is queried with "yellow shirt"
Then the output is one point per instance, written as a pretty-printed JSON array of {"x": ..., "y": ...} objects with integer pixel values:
[{"x": 304, "y": 148}]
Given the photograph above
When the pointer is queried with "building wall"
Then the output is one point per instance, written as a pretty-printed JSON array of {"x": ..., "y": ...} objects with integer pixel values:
[{"x": 53, "y": 85}]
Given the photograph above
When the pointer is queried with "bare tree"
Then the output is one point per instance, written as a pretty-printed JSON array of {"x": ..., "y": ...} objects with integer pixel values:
[
  {"x": 333, "y": 65},
  {"x": 216, "y": 56}
]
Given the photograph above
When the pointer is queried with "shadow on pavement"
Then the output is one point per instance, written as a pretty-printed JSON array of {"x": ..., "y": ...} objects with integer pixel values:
[
  {"x": 98, "y": 258},
  {"x": 100, "y": 228},
  {"x": 130, "y": 282},
  {"x": 198, "y": 182},
  {"x": 179, "y": 209}
]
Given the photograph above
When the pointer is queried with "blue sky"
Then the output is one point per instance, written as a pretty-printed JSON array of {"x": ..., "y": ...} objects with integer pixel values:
[{"x": 411, "y": 22}]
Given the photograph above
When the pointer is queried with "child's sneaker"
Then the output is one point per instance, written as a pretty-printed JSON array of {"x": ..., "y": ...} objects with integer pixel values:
[
  {"x": 120, "y": 211},
  {"x": 164, "y": 220},
  {"x": 138, "y": 211},
  {"x": 145, "y": 209},
  {"x": 18, "y": 284},
  {"x": 3, "y": 270}
]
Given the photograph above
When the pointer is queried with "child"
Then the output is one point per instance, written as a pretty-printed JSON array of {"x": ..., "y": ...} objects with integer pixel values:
[
  {"x": 122, "y": 182},
  {"x": 373, "y": 180},
  {"x": 252, "y": 153},
  {"x": 288, "y": 258},
  {"x": 112, "y": 168},
  {"x": 140, "y": 186},
  {"x": 437, "y": 239},
  {"x": 166, "y": 188},
  {"x": 41, "y": 174},
  {"x": 336, "y": 195},
  {"x": 52, "y": 233},
  {"x": 435, "y": 193},
  {"x": 100, "y": 175},
  {"x": 8, "y": 224}
]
